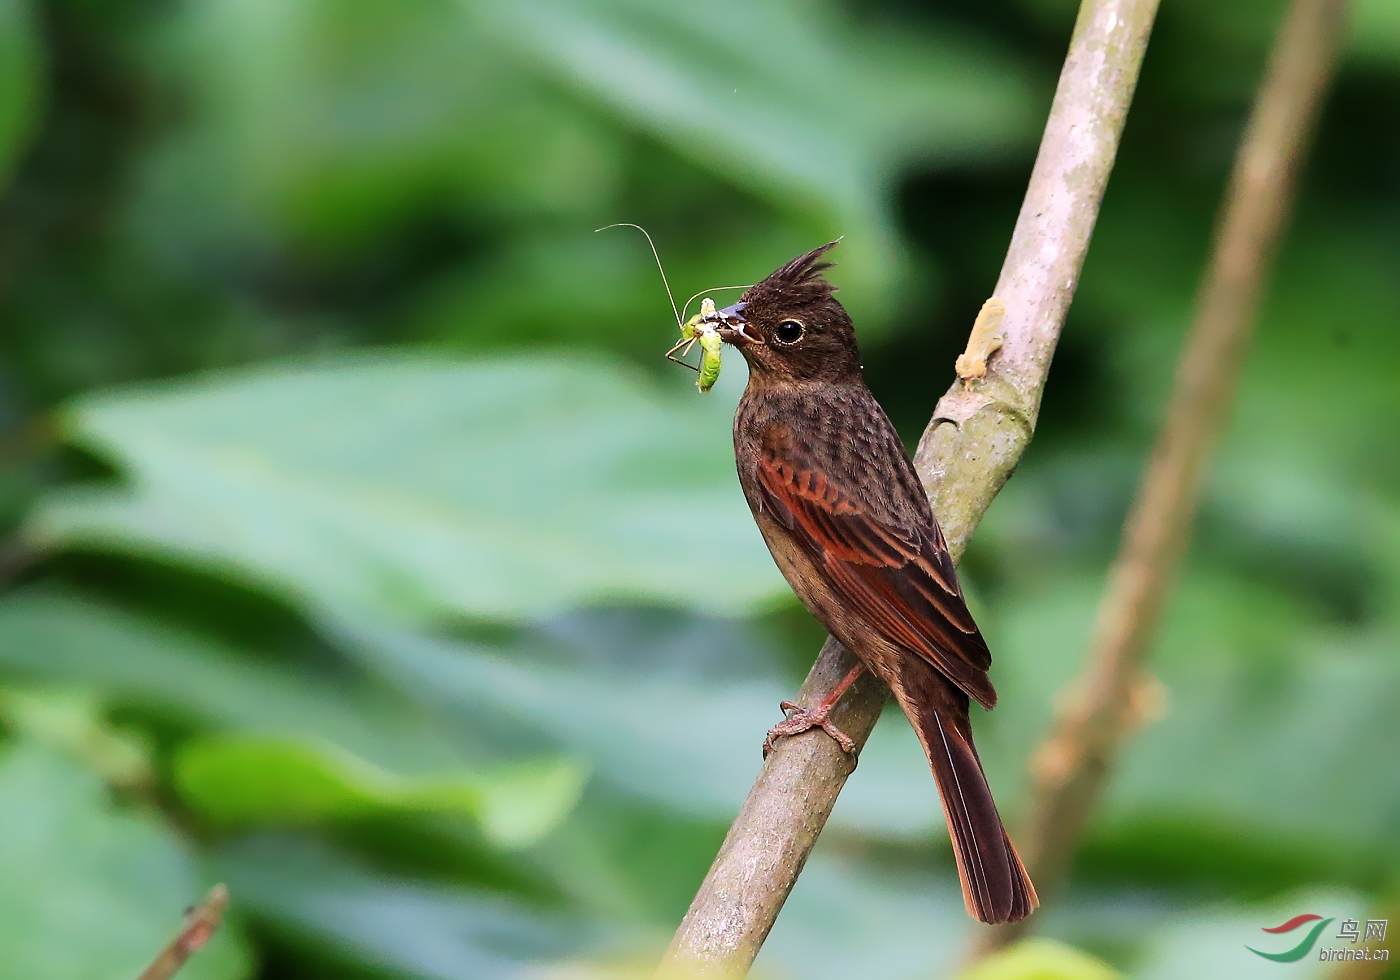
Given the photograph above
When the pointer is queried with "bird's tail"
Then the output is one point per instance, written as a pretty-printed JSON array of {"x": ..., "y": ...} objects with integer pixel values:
[{"x": 995, "y": 885}]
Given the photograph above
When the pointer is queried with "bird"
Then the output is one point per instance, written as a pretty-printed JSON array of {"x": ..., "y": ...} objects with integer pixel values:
[{"x": 848, "y": 523}]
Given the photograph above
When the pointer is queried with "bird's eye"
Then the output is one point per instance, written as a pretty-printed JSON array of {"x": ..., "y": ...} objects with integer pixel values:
[{"x": 788, "y": 332}]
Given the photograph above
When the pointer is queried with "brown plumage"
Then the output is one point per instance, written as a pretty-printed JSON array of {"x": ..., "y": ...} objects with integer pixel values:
[{"x": 848, "y": 523}]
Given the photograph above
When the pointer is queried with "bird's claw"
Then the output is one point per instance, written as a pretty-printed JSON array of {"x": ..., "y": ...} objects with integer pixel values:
[{"x": 802, "y": 720}]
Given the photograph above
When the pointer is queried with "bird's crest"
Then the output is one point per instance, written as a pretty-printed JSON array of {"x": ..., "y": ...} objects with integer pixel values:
[{"x": 801, "y": 279}]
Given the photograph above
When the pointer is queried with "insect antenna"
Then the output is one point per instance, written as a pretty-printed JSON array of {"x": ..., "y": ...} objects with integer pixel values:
[{"x": 659, "y": 266}]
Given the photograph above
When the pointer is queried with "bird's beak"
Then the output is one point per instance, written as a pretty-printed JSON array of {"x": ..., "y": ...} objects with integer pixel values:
[{"x": 732, "y": 323}]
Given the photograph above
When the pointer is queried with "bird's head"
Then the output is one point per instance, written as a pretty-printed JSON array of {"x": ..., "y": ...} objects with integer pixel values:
[{"x": 790, "y": 328}]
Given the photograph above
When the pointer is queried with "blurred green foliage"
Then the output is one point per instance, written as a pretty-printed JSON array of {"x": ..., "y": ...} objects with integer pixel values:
[
  {"x": 363, "y": 553},
  {"x": 1039, "y": 959}
]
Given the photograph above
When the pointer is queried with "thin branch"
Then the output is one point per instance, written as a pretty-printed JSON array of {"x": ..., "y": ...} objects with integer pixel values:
[
  {"x": 1107, "y": 698},
  {"x": 978, "y": 432},
  {"x": 200, "y": 923}
]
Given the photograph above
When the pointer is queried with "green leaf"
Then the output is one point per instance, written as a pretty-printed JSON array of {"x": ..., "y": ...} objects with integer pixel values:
[
  {"x": 295, "y": 745},
  {"x": 518, "y": 804},
  {"x": 844, "y": 104},
  {"x": 422, "y": 490},
  {"x": 303, "y": 123},
  {"x": 253, "y": 780},
  {"x": 88, "y": 892},
  {"x": 621, "y": 722},
  {"x": 1277, "y": 730},
  {"x": 72, "y": 723},
  {"x": 1375, "y": 34},
  {"x": 810, "y": 110},
  {"x": 415, "y": 929},
  {"x": 1300, "y": 749},
  {"x": 1214, "y": 942},
  {"x": 136, "y": 662},
  {"x": 1040, "y": 959},
  {"x": 20, "y": 81},
  {"x": 848, "y": 918},
  {"x": 637, "y": 727}
]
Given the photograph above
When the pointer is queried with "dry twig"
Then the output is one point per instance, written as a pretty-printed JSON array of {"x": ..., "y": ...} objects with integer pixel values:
[
  {"x": 200, "y": 923},
  {"x": 1105, "y": 700},
  {"x": 977, "y": 434}
]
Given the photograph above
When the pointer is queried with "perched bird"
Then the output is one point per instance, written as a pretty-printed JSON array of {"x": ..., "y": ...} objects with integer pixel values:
[{"x": 847, "y": 521}]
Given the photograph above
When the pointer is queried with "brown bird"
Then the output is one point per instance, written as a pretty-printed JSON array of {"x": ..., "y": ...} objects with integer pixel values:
[{"x": 847, "y": 521}]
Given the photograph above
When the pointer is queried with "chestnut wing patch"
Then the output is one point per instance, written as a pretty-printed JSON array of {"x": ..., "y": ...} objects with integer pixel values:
[{"x": 898, "y": 580}]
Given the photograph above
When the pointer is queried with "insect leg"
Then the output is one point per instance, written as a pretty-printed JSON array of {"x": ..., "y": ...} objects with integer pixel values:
[{"x": 688, "y": 343}]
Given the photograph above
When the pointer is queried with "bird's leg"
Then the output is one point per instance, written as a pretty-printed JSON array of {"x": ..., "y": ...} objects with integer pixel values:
[{"x": 803, "y": 719}]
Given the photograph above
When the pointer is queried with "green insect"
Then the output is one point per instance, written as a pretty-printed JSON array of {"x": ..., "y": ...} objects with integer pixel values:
[
  {"x": 709, "y": 361},
  {"x": 702, "y": 329}
]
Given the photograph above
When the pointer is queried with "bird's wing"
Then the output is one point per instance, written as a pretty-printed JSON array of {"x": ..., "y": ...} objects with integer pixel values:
[{"x": 898, "y": 580}]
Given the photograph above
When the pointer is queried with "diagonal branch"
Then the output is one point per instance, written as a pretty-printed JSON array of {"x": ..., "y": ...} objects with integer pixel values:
[
  {"x": 1072, "y": 766},
  {"x": 977, "y": 435},
  {"x": 200, "y": 924}
]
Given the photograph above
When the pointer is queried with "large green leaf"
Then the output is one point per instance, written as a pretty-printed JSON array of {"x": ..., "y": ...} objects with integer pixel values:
[
  {"x": 842, "y": 920},
  {"x": 88, "y": 892},
  {"x": 251, "y": 779},
  {"x": 850, "y": 919},
  {"x": 421, "y": 490},
  {"x": 786, "y": 98},
  {"x": 73, "y": 723},
  {"x": 638, "y": 726},
  {"x": 633, "y": 722},
  {"x": 20, "y": 80},
  {"x": 412, "y": 928},
  {"x": 1376, "y": 31},
  {"x": 789, "y": 96},
  {"x": 136, "y": 662},
  {"x": 331, "y": 120},
  {"x": 1214, "y": 943},
  {"x": 1040, "y": 959},
  {"x": 657, "y": 727},
  {"x": 304, "y": 124},
  {"x": 1276, "y": 732},
  {"x": 292, "y": 744}
]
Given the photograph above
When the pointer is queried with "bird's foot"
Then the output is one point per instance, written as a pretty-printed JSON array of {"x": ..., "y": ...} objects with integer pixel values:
[{"x": 803, "y": 719}]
